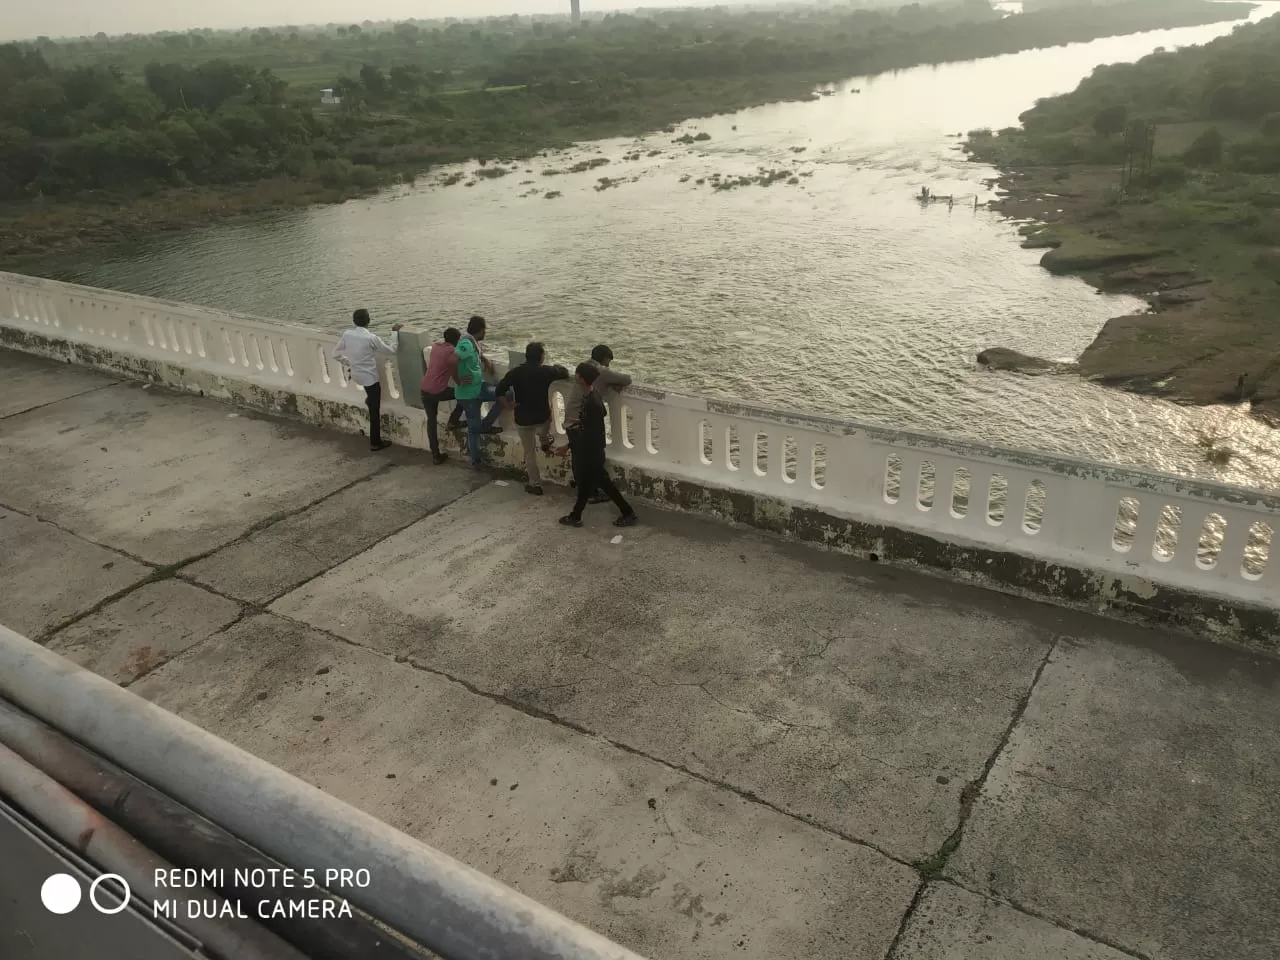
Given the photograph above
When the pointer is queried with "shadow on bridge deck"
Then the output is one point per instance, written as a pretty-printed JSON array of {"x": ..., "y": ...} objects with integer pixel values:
[{"x": 699, "y": 741}]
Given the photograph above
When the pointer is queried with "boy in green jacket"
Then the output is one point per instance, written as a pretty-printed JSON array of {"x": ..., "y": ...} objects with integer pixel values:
[{"x": 471, "y": 391}]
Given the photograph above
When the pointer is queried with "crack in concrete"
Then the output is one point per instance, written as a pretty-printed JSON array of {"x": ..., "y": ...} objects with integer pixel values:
[
  {"x": 906, "y": 919},
  {"x": 82, "y": 393},
  {"x": 171, "y": 570},
  {"x": 821, "y": 654},
  {"x": 745, "y": 794},
  {"x": 243, "y": 614},
  {"x": 430, "y": 511},
  {"x": 1062, "y": 786},
  {"x": 1040, "y": 915},
  {"x": 932, "y": 866},
  {"x": 79, "y": 536},
  {"x": 744, "y": 711},
  {"x": 538, "y": 713}
]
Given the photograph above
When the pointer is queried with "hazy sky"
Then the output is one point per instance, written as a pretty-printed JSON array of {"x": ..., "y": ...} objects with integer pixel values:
[{"x": 21, "y": 19}]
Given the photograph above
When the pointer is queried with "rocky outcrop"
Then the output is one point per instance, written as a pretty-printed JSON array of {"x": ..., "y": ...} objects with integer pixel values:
[
  {"x": 1079, "y": 256},
  {"x": 1002, "y": 358}
]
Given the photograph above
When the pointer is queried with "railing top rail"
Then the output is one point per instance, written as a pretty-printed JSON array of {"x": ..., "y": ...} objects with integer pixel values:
[{"x": 1062, "y": 465}]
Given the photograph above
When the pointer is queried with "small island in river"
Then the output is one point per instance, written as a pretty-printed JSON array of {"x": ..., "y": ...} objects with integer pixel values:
[{"x": 1162, "y": 179}]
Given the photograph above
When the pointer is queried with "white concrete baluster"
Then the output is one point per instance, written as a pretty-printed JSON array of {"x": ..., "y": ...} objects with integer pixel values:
[
  {"x": 1190, "y": 530},
  {"x": 1143, "y": 551},
  {"x": 1231, "y": 557},
  {"x": 975, "y": 522},
  {"x": 909, "y": 485}
]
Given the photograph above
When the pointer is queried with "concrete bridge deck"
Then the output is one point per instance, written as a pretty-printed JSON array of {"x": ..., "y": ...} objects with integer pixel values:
[{"x": 699, "y": 741}]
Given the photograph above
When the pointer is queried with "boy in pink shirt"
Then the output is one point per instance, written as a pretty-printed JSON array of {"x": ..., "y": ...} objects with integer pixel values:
[{"x": 442, "y": 367}]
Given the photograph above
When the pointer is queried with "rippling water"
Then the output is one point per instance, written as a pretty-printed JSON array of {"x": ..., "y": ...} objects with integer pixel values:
[{"x": 840, "y": 294}]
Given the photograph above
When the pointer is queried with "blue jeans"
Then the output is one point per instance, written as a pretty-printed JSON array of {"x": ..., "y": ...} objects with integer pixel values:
[{"x": 475, "y": 423}]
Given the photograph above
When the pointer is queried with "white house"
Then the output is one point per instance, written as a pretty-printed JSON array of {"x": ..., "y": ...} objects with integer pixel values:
[{"x": 326, "y": 96}]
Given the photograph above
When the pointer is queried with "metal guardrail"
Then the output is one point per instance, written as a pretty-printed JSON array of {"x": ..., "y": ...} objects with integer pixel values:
[{"x": 453, "y": 910}]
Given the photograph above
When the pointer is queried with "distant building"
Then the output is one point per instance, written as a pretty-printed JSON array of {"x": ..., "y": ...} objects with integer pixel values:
[
  {"x": 575, "y": 11},
  {"x": 326, "y": 96}
]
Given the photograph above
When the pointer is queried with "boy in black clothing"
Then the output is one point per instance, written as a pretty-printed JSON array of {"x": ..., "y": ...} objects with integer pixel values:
[
  {"x": 587, "y": 441},
  {"x": 531, "y": 380}
]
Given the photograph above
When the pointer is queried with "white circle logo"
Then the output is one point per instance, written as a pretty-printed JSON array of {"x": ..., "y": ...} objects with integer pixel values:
[
  {"x": 93, "y": 893},
  {"x": 60, "y": 893}
]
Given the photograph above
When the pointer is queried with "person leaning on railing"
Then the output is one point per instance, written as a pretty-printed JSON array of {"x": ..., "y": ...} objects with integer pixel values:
[
  {"x": 359, "y": 350},
  {"x": 601, "y": 358},
  {"x": 530, "y": 381},
  {"x": 587, "y": 441},
  {"x": 436, "y": 386},
  {"x": 472, "y": 391}
]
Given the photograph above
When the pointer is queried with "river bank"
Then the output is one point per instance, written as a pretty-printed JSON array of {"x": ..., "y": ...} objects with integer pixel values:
[
  {"x": 1210, "y": 334},
  {"x": 1199, "y": 242},
  {"x": 382, "y": 141},
  {"x": 33, "y": 232}
]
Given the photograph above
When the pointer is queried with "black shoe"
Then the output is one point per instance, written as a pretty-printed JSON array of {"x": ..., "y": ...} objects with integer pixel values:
[
  {"x": 571, "y": 521},
  {"x": 439, "y": 458},
  {"x": 380, "y": 445},
  {"x": 491, "y": 431},
  {"x": 626, "y": 520},
  {"x": 533, "y": 488}
]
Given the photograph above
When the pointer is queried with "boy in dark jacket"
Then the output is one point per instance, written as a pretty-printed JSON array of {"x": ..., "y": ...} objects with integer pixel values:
[
  {"x": 531, "y": 380},
  {"x": 587, "y": 441}
]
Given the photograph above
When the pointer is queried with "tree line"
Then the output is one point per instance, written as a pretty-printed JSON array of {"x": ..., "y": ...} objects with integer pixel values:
[
  {"x": 221, "y": 108},
  {"x": 1230, "y": 86}
]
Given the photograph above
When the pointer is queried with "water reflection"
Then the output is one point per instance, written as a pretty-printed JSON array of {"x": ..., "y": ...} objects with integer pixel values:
[{"x": 839, "y": 293}]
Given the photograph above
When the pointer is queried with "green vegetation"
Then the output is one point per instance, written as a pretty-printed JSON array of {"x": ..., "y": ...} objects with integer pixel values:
[
  {"x": 1162, "y": 178},
  {"x": 174, "y": 128}
]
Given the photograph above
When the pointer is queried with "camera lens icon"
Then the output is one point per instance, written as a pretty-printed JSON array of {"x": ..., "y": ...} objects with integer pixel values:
[{"x": 61, "y": 893}]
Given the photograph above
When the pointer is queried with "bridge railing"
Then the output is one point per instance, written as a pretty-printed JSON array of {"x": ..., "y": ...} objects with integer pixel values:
[{"x": 1200, "y": 536}]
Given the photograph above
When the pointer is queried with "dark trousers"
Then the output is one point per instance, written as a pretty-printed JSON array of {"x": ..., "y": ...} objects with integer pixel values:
[
  {"x": 431, "y": 404},
  {"x": 373, "y": 400},
  {"x": 591, "y": 474}
]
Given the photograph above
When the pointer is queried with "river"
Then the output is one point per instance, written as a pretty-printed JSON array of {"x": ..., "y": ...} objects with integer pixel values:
[{"x": 839, "y": 294}]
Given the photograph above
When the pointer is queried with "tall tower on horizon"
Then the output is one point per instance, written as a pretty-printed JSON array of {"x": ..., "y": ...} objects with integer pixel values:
[{"x": 575, "y": 11}]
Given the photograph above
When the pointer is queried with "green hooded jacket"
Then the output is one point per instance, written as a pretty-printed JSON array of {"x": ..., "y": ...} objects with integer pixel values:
[{"x": 468, "y": 366}]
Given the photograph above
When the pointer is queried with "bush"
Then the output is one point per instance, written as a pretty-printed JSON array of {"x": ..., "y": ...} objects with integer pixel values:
[
  {"x": 298, "y": 162},
  {"x": 1205, "y": 150},
  {"x": 322, "y": 149},
  {"x": 364, "y": 176},
  {"x": 1259, "y": 155},
  {"x": 336, "y": 173},
  {"x": 1111, "y": 120},
  {"x": 1167, "y": 173}
]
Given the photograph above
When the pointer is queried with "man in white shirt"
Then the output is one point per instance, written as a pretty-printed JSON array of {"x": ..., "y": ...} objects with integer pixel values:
[{"x": 359, "y": 350}]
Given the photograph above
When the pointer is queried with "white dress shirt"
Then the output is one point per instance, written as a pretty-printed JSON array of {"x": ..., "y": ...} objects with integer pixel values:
[{"x": 359, "y": 350}]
